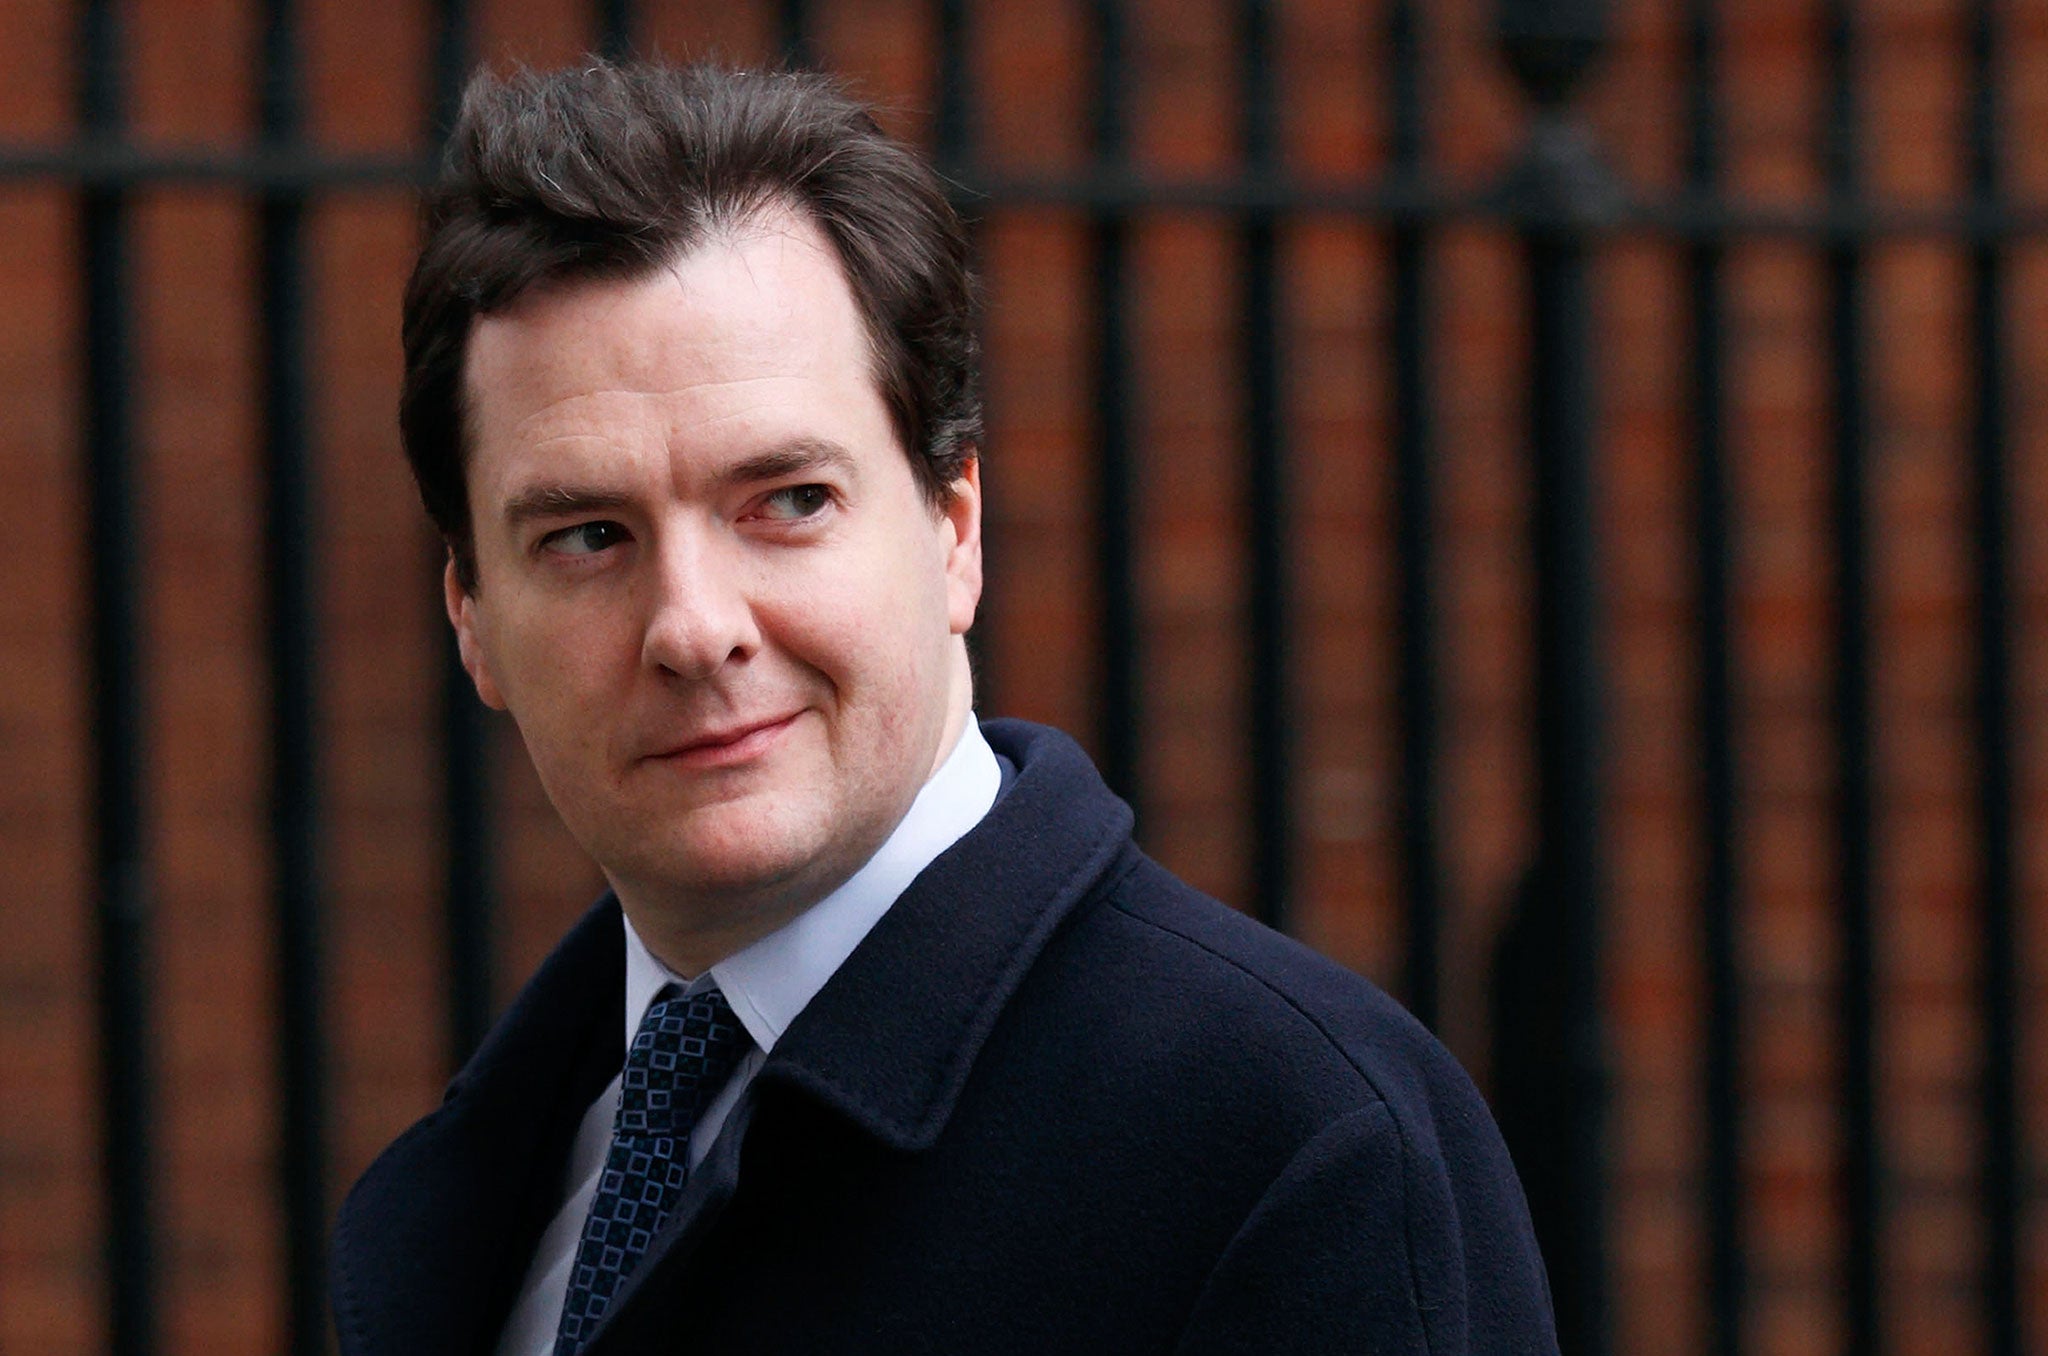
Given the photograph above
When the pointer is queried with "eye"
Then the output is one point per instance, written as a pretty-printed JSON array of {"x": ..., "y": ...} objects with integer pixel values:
[
  {"x": 793, "y": 503},
  {"x": 584, "y": 539}
]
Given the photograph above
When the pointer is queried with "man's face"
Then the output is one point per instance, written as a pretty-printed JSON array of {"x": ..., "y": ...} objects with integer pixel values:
[{"x": 710, "y": 591}]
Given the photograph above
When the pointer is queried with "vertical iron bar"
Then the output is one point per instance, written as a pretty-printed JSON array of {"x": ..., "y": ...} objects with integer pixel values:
[
  {"x": 127, "y": 1069},
  {"x": 1569, "y": 757},
  {"x": 1856, "y": 806},
  {"x": 451, "y": 59},
  {"x": 793, "y": 22},
  {"x": 953, "y": 138},
  {"x": 1415, "y": 679},
  {"x": 471, "y": 903},
  {"x": 953, "y": 127},
  {"x": 1120, "y": 716},
  {"x": 2002, "y": 1181},
  {"x": 465, "y": 731},
  {"x": 615, "y": 29},
  {"x": 1550, "y": 1034},
  {"x": 292, "y": 599},
  {"x": 1271, "y": 725},
  {"x": 1726, "y": 1277}
]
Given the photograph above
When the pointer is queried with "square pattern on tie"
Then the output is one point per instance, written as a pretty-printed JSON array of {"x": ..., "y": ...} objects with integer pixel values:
[{"x": 682, "y": 1054}]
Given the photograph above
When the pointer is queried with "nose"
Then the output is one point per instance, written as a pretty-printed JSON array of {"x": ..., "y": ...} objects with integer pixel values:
[{"x": 701, "y": 616}]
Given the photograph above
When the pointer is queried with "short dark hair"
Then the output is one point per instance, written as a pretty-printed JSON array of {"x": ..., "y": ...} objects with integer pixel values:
[{"x": 609, "y": 171}]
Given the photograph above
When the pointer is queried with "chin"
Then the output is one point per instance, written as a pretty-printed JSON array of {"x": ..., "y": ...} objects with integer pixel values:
[{"x": 732, "y": 856}]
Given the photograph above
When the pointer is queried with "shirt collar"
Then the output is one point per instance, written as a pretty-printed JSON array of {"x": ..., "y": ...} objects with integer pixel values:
[{"x": 771, "y": 980}]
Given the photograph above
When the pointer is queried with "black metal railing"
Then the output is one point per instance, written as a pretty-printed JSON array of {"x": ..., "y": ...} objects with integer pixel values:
[
  {"x": 1564, "y": 207},
  {"x": 1553, "y": 1079},
  {"x": 2002, "y": 1182},
  {"x": 1714, "y": 704},
  {"x": 126, "y": 1031}
]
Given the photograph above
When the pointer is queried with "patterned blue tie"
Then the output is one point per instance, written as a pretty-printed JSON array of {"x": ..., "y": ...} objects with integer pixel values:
[{"x": 682, "y": 1055}]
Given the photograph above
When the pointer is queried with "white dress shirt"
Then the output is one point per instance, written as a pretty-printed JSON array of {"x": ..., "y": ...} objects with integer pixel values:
[{"x": 768, "y": 984}]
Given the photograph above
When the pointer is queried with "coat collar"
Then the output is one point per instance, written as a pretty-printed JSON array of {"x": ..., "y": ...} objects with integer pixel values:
[
  {"x": 890, "y": 1040},
  {"x": 432, "y": 1242}
]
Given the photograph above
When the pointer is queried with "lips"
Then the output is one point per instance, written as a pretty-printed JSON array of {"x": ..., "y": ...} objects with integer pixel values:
[{"x": 727, "y": 745}]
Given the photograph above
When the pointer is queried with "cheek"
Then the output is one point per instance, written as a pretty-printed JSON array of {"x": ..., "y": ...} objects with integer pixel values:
[
  {"x": 555, "y": 667},
  {"x": 873, "y": 636}
]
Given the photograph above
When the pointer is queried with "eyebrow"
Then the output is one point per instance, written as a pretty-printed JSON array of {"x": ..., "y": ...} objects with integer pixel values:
[
  {"x": 787, "y": 459},
  {"x": 790, "y": 458},
  {"x": 560, "y": 501}
]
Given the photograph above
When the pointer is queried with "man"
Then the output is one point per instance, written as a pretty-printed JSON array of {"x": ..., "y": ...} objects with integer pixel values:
[{"x": 886, "y": 1037}]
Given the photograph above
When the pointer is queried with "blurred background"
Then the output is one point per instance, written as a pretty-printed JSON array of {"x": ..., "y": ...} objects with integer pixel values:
[{"x": 1531, "y": 497}]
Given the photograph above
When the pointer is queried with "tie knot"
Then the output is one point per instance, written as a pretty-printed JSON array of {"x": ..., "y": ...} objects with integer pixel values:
[{"x": 681, "y": 1056}]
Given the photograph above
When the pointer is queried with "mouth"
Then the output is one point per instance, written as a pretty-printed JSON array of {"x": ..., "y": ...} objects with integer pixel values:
[{"x": 726, "y": 747}]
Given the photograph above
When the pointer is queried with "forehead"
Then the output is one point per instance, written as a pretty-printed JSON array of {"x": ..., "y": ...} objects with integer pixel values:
[{"x": 754, "y": 326}]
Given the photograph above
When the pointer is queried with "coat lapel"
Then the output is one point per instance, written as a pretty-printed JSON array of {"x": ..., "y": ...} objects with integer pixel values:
[
  {"x": 892, "y": 1038},
  {"x": 432, "y": 1243}
]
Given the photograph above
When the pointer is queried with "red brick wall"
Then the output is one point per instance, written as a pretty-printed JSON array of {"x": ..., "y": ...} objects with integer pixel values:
[{"x": 379, "y": 621}]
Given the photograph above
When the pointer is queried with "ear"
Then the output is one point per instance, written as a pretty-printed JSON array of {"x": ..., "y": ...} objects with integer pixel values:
[
  {"x": 461, "y": 604},
  {"x": 960, "y": 519}
]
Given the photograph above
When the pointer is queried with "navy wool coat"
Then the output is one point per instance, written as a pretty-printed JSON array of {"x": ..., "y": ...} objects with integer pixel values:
[{"x": 1057, "y": 1101}]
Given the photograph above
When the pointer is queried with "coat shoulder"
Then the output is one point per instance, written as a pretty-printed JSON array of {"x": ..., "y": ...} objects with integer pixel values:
[
  {"x": 1238, "y": 1006},
  {"x": 1298, "y": 999},
  {"x": 1381, "y": 1121}
]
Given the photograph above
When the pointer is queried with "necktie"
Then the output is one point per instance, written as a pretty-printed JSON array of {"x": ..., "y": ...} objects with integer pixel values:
[{"x": 681, "y": 1056}]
